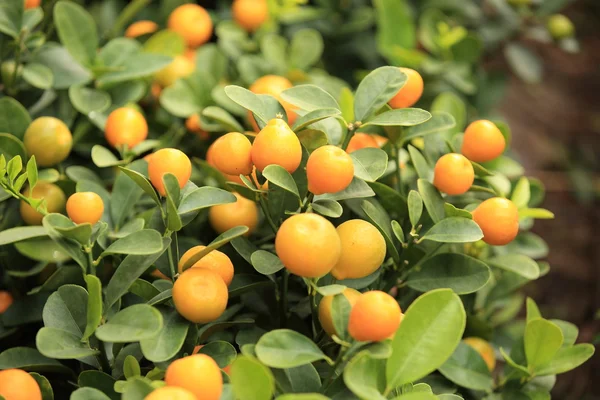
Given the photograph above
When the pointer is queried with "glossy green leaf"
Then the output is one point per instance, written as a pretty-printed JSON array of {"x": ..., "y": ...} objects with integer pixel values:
[
  {"x": 439, "y": 122},
  {"x": 467, "y": 368},
  {"x": 14, "y": 118},
  {"x": 309, "y": 98},
  {"x": 65, "y": 69},
  {"x": 521, "y": 193},
  {"x": 99, "y": 380},
  {"x": 383, "y": 223},
  {"x": 11, "y": 17},
  {"x": 11, "y": 147},
  {"x": 312, "y": 139},
  {"x": 66, "y": 309},
  {"x": 77, "y": 31},
  {"x": 306, "y": 48},
  {"x": 449, "y": 102},
  {"x": 142, "y": 182},
  {"x": 166, "y": 43},
  {"x": 420, "y": 164},
  {"x": 20, "y": 233},
  {"x": 358, "y": 188},
  {"x": 542, "y": 340},
  {"x": 569, "y": 331},
  {"x": 454, "y": 230},
  {"x": 136, "y": 66},
  {"x": 284, "y": 348},
  {"x": 169, "y": 340},
  {"x": 88, "y": 393},
  {"x": 59, "y": 344},
  {"x": 251, "y": 380},
  {"x": 132, "y": 324},
  {"x": 86, "y": 100},
  {"x": 222, "y": 352},
  {"x": 400, "y": 117},
  {"x": 328, "y": 208},
  {"x": 517, "y": 263},
  {"x": 369, "y": 163},
  {"x": 103, "y": 157},
  {"x": 38, "y": 75},
  {"x": 415, "y": 207},
  {"x": 566, "y": 359},
  {"x": 144, "y": 242},
  {"x": 266, "y": 262},
  {"x": 219, "y": 241},
  {"x": 280, "y": 177},
  {"x": 94, "y": 305},
  {"x": 376, "y": 89},
  {"x": 312, "y": 117},
  {"x": 365, "y": 377},
  {"x": 29, "y": 359}
]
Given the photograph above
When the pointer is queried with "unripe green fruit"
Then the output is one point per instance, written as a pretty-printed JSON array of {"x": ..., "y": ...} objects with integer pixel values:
[
  {"x": 7, "y": 70},
  {"x": 560, "y": 27}
]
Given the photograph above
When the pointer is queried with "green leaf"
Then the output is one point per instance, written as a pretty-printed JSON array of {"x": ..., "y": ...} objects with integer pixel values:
[
  {"x": 169, "y": 340},
  {"x": 136, "y": 66},
  {"x": 340, "y": 313},
  {"x": 65, "y": 69},
  {"x": 173, "y": 193},
  {"x": 21, "y": 233},
  {"x": 398, "y": 232},
  {"x": 312, "y": 117},
  {"x": 376, "y": 89},
  {"x": 132, "y": 324},
  {"x": 66, "y": 310},
  {"x": 452, "y": 211},
  {"x": 365, "y": 377},
  {"x": 369, "y": 163},
  {"x": 421, "y": 165},
  {"x": 143, "y": 183},
  {"x": 454, "y": 230},
  {"x": 103, "y": 157},
  {"x": 566, "y": 359},
  {"x": 382, "y": 222},
  {"x": 144, "y": 242},
  {"x": 251, "y": 380},
  {"x": 309, "y": 98},
  {"x": 449, "y": 102},
  {"x": 29, "y": 359},
  {"x": 125, "y": 195},
  {"x": 131, "y": 367},
  {"x": 222, "y": 352},
  {"x": 266, "y": 262},
  {"x": 415, "y": 207},
  {"x": 38, "y": 75},
  {"x": 59, "y": 344},
  {"x": 521, "y": 193},
  {"x": 165, "y": 42},
  {"x": 312, "y": 139},
  {"x": 418, "y": 396},
  {"x": 86, "y": 100},
  {"x": 306, "y": 49},
  {"x": 523, "y": 370},
  {"x": 219, "y": 241},
  {"x": 517, "y": 263},
  {"x": 44, "y": 385},
  {"x": 466, "y": 368},
  {"x": 222, "y": 117},
  {"x": 11, "y": 17},
  {"x": 439, "y": 122},
  {"x": 455, "y": 271},
  {"x": 80, "y": 233},
  {"x": 396, "y": 26},
  {"x": 204, "y": 197},
  {"x": 400, "y": 117},
  {"x": 249, "y": 101},
  {"x": 302, "y": 396},
  {"x": 525, "y": 64},
  {"x": 88, "y": 393},
  {"x": 94, "y": 305},
  {"x": 328, "y": 208},
  {"x": 32, "y": 173},
  {"x": 284, "y": 348},
  {"x": 533, "y": 312},
  {"x": 569, "y": 331},
  {"x": 14, "y": 118},
  {"x": 11, "y": 147},
  {"x": 280, "y": 177},
  {"x": 77, "y": 31},
  {"x": 536, "y": 213},
  {"x": 430, "y": 331},
  {"x": 542, "y": 340}
]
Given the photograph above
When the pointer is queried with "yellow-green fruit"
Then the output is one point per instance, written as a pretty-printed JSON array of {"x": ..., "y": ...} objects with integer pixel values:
[
  {"x": 180, "y": 67},
  {"x": 7, "y": 69},
  {"x": 55, "y": 202},
  {"x": 560, "y": 27},
  {"x": 325, "y": 316},
  {"x": 49, "y": 140},
  {"x": 363, "y": 250}
]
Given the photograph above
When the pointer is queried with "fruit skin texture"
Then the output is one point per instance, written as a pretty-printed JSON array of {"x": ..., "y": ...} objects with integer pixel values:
[
  {"x": 171, "y": 393},
  {"x": 361, "y": 141},
  {"x": 411, "y": 92},
  {"x": 55, "y": 202},
  {"x": 329, "y": 169},
  {"x": 140, "y": 28},
  {"x": 274, "y": 85},
  {"x": 250, "y": 14},
  {"x": 375, "y": 316},
  {"x": 485, "y": 350},
  {"x": 193, "y": 23},
  {"x": 6, "y": 300},
  {"x": 49, "y": 140},
  {"x": 200, "y": 295},
  {"x": 498, "y": 218},
  {"x": 308, "y": 245},
  {"x": 199, "y": 374},
  {"x": 32, "y": 4},
  {"x": 277, "y": 144},
  {"x": 325, "y": 305},
  {"x": 125, "y": 126},
  {"x": 483, "y": 141},
  {"x": 16, "y": 384},
  {"x": 226, "y": 216},
  {"x": 169, "y": 161},
  {"x": 180, "y": 67},
  {"x": 85, "y": 207},
  {"x": 363, "y": 250},
  {"x": 453, "y": 174},
  {"x": 215, "y": 261},
  {"x": 231, "y": 154},
  {"x": 560, "y": 26}
]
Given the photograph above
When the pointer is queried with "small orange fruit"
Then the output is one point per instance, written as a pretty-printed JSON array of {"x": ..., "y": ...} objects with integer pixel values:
[
  {"x": 380, "y": 140},
  {"x": 483, "y": 141},
  {"x": 361, "y": 141},
  {"x": 140, "y": 28},
  {"x": 55, "y": 202},
  {"x": 277, "y": 144},
  {"x": 199, "y": 374},
  {"x": 325, "y": 305},
  {"x": 274, "y": 85},
  {"x": 49, "y": 140},
  {"x": 200, "y": 295},
  {"x": 250, "y": 14},
  {"x": 375, "y": 316},
  {"x": 485, "y": 350},
  {"x": 226, "y": 216},
  {"x": 329, "y": 170},
  {"x": 363, "y": 250},
  {"x": 155, "y": 90},
  {"x": 193, "y": 123},
  {"x": 169, "y": 161},
  {"x": 6, "y": 300},
  {"x": 197, "y": 349},
  {"x": 159, "y": 275},
  {"x": 125, "y": 126},
  {"x": 411, "y": 92},
  {"x": 179, "y": 68},
  {"x": 498, "y": 219},
  {"x": 453, "y": 174},
  {"x": 190, "y": 54},
  {"x": 16, "y": 384},
  {"x": 231, "y": 154},
  {"x": 32, "y": 4},
  {"x": 171, "y": 393},
  {"x": 85, "y": 207},
  {"x": 215, "y": 261},
  {"x": 308, "y": 245},
  {"x": 193, "y": 23}
]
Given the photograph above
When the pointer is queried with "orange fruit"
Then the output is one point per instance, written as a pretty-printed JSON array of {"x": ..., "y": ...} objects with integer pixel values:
[
  {"x": 171, "y": 393},
  {"x": 125, "y": 126},
  {"x": 360, "y": 141},
  {"x": 155, "y": 90},
  {"x": 193, "y": 23},
  {"x": 329, "y": 170},
  {"x": 55, "y": 202},
  {"x": 16, "y": 384},
  {"x": 215, "y": 261},
  {"x": 453, "y": 174},
  {"x": 308, "y": 245},
  {"x": 200, "y": 295},
  {"x": 498, "y": 219},
  {"x": 159, "y": 275},
  {"x": 32, "y": 4},
  {"x": 253, "y": 121},
  {"x": 325, "y": 317},
  {"x": 380, "y": 140},
  {"x": 483, "y": 141},
  {"x": 199, "y": 374},
  {"x": 6, "y": 300},
  {"x": 190, "y": 54},
  {"x": 197, "y": 349},
  {"x": 179, "y": 68},
  {"x": 375, "y": 316},
  {"x": 250, "y": 14},
  {"x": 231, "y": 154},
  {"x": 193, "y": 123},
  {"x": 85, "y": 207},
  {"x": 411, "y": 92},
  {"x": 49, "y": 140},
  {"x": 273, "y": 85},
  {"x": 169, "y": 161},
  {"x": 226, "y": 216},
  {"x": 485, "y": 350},
  {"x": 277, "y": 144},
  {"x": 141, "y": 28},
  {"x": 363, "y": 250}
]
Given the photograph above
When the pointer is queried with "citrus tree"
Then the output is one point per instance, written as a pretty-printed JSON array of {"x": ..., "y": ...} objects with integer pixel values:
[{"x": 187, "y": 219}]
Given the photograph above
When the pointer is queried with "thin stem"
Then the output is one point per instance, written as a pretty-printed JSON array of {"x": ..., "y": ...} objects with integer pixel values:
[
  {"x": 284, "y": 298},
  {"x": 351, "y": 129},
  {"x": 396, "y": 155},
  {"x": 331, "y": 376},
  {"x": 90, "y": 257},
  {"x": 313, "y": 309},
  {"x": 307, "y": 202},
  {"x": 264, "y": 207},
  {"x": 171, "y": 264},
  {"x": 104, "y": 358}
]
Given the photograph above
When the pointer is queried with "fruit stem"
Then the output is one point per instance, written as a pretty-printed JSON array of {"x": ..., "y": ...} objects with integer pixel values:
[
  {"x": 312, "y": 291},
  {"x": 334, "y": 367},
  {"x": 90, "y": 257},
  {"x": 396, "y": 155},
  {"x": 351, "y": 129},
  {"x": 265, "y": 209},
  {"x": 170, "y": 256}
]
